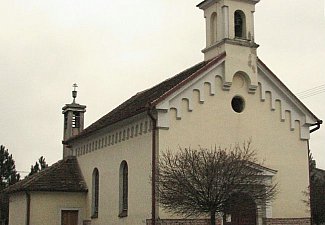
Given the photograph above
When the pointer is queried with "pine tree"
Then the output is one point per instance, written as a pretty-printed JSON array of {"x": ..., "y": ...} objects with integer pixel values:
[
  {"x": 8, "y": 173},
  {"x": 39, "y": 165},
  {"x": 8, "y": 176}
]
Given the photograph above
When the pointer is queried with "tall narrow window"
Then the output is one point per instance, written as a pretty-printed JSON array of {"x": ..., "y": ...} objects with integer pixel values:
[
  {"x": 95, "y": 193},
  {"x": 123, "y": 189},
  {"x": 240, "y": 24}
]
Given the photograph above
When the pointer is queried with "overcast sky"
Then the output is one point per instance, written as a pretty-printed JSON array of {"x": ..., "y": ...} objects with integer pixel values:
[{"x": 114, "y": 49}]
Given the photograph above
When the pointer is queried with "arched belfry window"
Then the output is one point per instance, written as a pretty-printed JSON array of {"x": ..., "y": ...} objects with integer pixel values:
[
  {"x": 95, "y": 193},
  {"x": 76, "y": 119},
  {"x": 213, "y": 28},
  {"x": 123, "y": 195},
  {"x": 240, "y": 24}
]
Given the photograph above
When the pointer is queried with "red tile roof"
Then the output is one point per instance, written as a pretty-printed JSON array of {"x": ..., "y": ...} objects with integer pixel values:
[
  {"x": 63, "y": 176},
  {"x": 139, "y": 103}
]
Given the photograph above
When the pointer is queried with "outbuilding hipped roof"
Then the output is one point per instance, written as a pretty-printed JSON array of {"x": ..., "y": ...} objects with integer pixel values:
[{"x": 63, "y": 176}]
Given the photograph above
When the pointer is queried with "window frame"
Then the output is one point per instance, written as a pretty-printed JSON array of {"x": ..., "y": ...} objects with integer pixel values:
[
  {"x": 238, "y": 14},
  {"x": 123, "y": 189},
  {"x": 95, "y": 194}
]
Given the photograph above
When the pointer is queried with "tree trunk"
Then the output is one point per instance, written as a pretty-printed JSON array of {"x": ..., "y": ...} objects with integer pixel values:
[{"x": 213, "y": 218}]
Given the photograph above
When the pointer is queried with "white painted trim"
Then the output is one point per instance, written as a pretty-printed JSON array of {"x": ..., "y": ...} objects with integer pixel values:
[
  {"x": 268, "y": 210},
  {"x": 120, "y": 132},
  {"x": 267, "y": 83},
  {"x": 309, "y": 118},
  {"x": 186, "y": 92},
  {"x": 288, "y": 104},
  {"x": 252, "y": 27},
  {"x": 225, "y": 12}
]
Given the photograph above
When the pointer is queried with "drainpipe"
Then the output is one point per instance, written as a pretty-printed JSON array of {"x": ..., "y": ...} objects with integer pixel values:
[
  {"x": 28, "y": 208},
  {"x": 310, "y": 196},
  {"x": 153, "y": 163},
  {"x": 317, "y": 126}
]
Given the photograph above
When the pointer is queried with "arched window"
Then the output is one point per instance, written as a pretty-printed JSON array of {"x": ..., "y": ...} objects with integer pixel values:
[
  {"x": 240, "y": 24},
  {"x": 95, "y": 193},
  {"x": 213, "y": 28},
  {"x": 123, "y": 189}
]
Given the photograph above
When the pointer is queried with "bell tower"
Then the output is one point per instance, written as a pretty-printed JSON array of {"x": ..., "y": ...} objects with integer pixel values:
[
  {"x": 230, "y": 30},
  {"x": 73, "y": 120}
]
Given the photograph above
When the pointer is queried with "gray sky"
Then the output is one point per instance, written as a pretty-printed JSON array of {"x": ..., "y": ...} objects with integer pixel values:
[{"x": 114, "y": 49}]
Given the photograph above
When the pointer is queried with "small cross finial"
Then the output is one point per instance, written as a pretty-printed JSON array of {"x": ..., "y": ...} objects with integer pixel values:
[
  {"x": 74, "y": 86},
  {"x": 74, "y": 92}
]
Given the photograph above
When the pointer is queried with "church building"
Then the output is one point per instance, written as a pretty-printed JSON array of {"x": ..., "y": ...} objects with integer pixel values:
[{"x": 108, "y": 172}]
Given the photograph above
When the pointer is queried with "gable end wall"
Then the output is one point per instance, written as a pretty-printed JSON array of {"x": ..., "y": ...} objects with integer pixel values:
[{"x": 204, "y": 117}]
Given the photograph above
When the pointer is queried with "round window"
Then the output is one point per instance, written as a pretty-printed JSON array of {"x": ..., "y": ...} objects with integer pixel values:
[{"x": 238, "y": 104}]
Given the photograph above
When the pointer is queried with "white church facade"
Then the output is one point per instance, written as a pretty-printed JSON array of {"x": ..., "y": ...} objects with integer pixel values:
[{"x": 108, "y": 172}]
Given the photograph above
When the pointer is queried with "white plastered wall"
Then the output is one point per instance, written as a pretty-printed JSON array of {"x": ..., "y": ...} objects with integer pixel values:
[
  {"x": 213, "y": 122},
  {"x": 135, "y": 149}
]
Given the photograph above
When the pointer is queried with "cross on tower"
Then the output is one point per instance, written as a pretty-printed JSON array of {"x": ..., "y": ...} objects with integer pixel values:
[{"x": 74, "y": 92}]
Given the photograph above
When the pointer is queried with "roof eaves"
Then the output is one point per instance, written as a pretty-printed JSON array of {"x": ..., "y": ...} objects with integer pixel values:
[
  {"x": 205, "y": 4},
  {"x": 24, "y": 184},
  {"x": 190, "y": 78},
  {"x": 86, "y": 132},
  {"x": 27, "y": 183}
]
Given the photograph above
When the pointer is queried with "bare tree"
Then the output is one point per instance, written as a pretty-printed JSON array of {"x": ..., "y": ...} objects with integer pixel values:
[{"x": 205, "y": 181}]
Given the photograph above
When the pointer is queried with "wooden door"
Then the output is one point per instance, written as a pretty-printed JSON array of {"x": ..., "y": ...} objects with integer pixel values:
[
  {"x": 69, "y": 217},
  {"x": 242, "y": 211}
]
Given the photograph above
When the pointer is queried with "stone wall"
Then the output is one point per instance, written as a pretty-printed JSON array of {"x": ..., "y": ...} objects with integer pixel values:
[
  {"x": 273, "y": 221},
  {"x": 287, "y": 221},
  {"x": 184, "y": 222}
]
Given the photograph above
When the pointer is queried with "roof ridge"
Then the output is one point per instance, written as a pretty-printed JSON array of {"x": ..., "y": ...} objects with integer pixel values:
[
  {"x": 64, "y": 175},
  {"x": 81, "y": 175},
  {"x": 189, "y": 78},
  {"x": 170, "y": 78},
  {"x": 104, "y": 117},
  {"x": 139, "y": 102}
]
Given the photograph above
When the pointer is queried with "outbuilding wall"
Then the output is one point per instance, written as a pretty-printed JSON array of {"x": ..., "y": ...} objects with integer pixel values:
[
  {"x": 45, "y": 207},
  {"x": 17, "y": 209}
]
